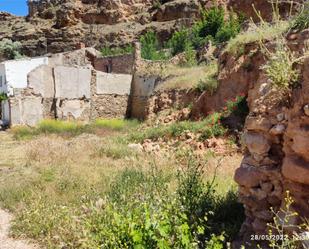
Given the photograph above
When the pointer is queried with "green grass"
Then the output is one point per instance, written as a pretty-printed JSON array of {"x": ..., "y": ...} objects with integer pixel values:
[
  {"x": 115, "y": 124},
  {"x": 70, "y": 128},
  {"x": 256, "y": 33},
  {"x": 202, "y": 77},
  {"x": 209, "y": 127}
]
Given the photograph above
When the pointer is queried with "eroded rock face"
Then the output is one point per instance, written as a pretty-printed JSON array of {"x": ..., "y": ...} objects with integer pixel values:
[
  {"x": 54, "y": 26},
  {"x": 276, "y": 147}
]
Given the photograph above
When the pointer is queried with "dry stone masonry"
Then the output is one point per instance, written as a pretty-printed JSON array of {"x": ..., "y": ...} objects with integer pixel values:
[
  {"x": 276, "y": 155},
  {"x": 70, "y": 88}
]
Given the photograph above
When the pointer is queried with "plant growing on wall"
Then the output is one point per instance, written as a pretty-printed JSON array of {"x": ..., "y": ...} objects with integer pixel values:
[{"x": 3, "y": 96}]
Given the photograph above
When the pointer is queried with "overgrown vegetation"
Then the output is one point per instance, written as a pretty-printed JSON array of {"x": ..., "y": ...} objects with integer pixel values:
[
  {"x": 113, "y": 51},
  {"x": 280, "y": 66},
  {"x": 151, "y": 49},
  {"x": 3, "y": 96},
  {"x": 255, "y": 33},
  {"x": 201, "y": 77},
  {"x": 68, "y": 128},
  {"x": 301, "y": 21},
  {"x": 209, "y": 127},
  {"x": 135, "y": 207},
  {"x": 10, "y": 50},
  {"x": 212, "y": 26}
]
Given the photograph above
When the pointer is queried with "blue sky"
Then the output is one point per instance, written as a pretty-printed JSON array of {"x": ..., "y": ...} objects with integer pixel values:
[{"x": 17, "y": 7}]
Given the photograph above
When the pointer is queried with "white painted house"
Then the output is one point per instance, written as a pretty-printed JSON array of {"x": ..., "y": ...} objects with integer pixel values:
[{"x": 13, "y": 75}]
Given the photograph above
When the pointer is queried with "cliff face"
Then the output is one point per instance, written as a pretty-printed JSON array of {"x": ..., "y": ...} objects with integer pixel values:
[
  {"x": 59, "y": 25},
  {"x": 56, "y": 26}
]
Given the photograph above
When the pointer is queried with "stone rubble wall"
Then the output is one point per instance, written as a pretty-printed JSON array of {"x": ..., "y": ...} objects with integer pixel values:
[
  {"x": 68, "y": 88},
  {"x": 276, "y": 152}
]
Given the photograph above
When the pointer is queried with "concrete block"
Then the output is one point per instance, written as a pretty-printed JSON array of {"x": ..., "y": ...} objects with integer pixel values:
[
  {"x": 15, "y": 111},
  {"x": 143, "y": 86},
  {"x": 113, "y": 83},
  {"x": 32, "y": 110},
  {"x": 74, "y": 109},
  {"x": 42, "y": 82},
  {"x": 72, "y": 82}
]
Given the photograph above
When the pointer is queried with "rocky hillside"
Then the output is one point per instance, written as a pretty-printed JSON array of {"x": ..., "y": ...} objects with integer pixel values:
[{"x": 55, "y": 26}]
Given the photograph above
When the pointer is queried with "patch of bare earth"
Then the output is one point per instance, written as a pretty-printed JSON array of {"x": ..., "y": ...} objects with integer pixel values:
[{"x": 10, "y": 243}]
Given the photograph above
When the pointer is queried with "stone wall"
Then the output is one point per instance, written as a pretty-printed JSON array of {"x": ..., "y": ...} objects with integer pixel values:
[
  {"x": 121, "y": 64},
  {"x": 68, "y": 88},
  {"x": 110, "y": 95},
  {"x": 276, "y": 149}
]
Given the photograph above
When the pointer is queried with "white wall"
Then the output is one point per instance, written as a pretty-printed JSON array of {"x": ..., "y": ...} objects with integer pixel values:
[
  {"x": 3, "y": 87},
  {"x": 17, "y": 71},
  {"x": 5, "y": 111}
]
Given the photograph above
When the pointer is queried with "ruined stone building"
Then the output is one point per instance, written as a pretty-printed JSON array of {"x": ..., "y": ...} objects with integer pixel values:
[{"x": 68, "y": 86}]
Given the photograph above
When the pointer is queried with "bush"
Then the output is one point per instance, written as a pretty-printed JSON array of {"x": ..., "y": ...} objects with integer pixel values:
[
  {"x": 150, "y": 47},
  {"x": 108, "y": 51},
  {"x": 209, "y": 83},
  {"x": 301, "y": 21},
  {"x": 10, "y": 49},
  {"x": 180, "y": 41},
  {"x": 230, "y": 29},
  {"x": 212, "y": 21},
  {"x": 280, "y": 66}
]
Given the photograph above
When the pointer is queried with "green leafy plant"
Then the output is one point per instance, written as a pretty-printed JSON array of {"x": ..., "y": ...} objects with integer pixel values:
[
  {"x": 301, "y": 21},
  {"x": 10, "y": 49},
  {"x": 180, "y": 41},
  {"x": 151, "y": 47},
  {"x": 280, "y": 66},
  {"x": 3, "y": 96}
]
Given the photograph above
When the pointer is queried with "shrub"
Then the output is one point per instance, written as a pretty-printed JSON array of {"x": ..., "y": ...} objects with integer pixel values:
[
  {"x": 212, "y": 21},
  {"x": 150, "y": 47},
  {"x": 209, "y": 83},
  {"x": 3, "y": 96},
  {"x": 280, "y": 66},
  {"x": 230, "y": 29},
  {"x": 10, "y": 49},
  {"x": 301, "y": 21},
  {"x": 190, "y": 56},
  {"x": 180, "y": 41},
  {"x": 108, "y": 51}
]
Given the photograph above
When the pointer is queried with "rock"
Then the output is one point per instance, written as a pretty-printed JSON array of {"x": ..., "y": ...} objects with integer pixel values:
[
  {"x": 306, "y": 109},
  {"x": 258, "y": 123},
  {"x": 136, "y": 147},
  {"x": 249, "y": 176},
  {"x": 277, "y": 130},
  {"x": 296, "y": 169},
  {"x": 257, "y": 143},
  {"x": 280, "y": 117},
  {"x": 259, "y": 225}
]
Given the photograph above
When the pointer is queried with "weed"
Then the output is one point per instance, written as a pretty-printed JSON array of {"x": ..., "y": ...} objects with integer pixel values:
[
  {"x": 301, "y": 21},
  {"x": 280, "y": 66}
]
